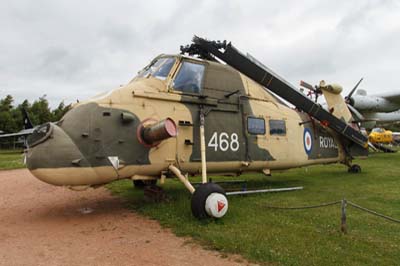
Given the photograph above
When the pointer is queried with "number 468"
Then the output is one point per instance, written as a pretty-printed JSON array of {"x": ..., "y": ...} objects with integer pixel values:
[{"x": 224, "y": 142}]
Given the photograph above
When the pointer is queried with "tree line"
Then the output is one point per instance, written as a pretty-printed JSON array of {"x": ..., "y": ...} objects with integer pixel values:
[{"x": 39, "y": 112}]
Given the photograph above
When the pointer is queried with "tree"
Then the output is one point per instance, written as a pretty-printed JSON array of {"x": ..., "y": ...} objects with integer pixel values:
[
  {"x": 60, "y": 111},
  {"x": 7, "y": 122},
  {"x": 6, "y": 104},
  {"x": 40, "y": 111}
]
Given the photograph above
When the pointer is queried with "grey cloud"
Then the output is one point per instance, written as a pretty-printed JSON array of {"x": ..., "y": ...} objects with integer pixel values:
[
  {"x": 74, "y": 49},
  {"x": 58, "y": 63}
]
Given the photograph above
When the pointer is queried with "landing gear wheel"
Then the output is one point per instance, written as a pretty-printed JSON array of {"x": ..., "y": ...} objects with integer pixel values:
[
  {"x": 209, "y": 200},
  {"x": 144, "y": 183},
  {"x": 355, "y": 168}
]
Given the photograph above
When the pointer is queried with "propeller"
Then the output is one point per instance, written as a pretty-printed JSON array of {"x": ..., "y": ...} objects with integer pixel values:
[
  {"x": 348, "y": 98},
  {"x": 357, "y": 116}
]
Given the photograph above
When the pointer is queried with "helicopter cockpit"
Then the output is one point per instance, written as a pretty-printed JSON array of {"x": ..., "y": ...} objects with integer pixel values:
[
  {"x": 189, "y": 77},
  {"x": 158, "y": 68}
]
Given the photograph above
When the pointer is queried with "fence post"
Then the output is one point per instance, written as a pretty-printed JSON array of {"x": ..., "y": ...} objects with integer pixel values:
[{"x": 343, "y": 226}]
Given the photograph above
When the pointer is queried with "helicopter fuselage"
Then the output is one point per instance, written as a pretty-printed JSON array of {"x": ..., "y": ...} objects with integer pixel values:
[{"x": 247, "y": 129}]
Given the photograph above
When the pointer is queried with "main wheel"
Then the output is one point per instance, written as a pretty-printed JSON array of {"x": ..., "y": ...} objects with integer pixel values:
[
  {"x": 209, "y": 200},
  {"x": 144, "y": 183},
  {"x": 355, "y": 168}
]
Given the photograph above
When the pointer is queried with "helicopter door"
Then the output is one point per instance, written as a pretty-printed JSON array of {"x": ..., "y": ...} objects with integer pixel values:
[
  {"x": 223, "y": 129},
  {"x": 224, "y": 134},
  {"x": 207, "y": 88}
]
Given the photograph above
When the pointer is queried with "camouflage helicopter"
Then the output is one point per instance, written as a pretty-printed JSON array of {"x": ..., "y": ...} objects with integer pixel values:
[{"x": 190, "y": 114}]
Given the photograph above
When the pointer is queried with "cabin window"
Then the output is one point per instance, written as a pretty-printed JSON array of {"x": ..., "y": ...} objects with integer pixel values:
[
  {"x": 159, "y": 68},
  {"x": 277, "y": 127},
  {"x": 189, "y": 78},
  {"x": 256, "y": 126}
]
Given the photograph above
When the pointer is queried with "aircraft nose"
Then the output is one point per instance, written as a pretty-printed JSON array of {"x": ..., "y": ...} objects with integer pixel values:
[{"x": 50, "y": 150}]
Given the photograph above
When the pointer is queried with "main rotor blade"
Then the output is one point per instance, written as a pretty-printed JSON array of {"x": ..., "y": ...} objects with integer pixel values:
[
  {"x": 273, "y": 82},
  {"x": 354, "y": 89},
  {"x": 307, "y": 85}
]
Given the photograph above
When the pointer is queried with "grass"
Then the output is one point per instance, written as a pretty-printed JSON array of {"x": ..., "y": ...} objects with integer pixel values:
[
  {"x": 294, "y": 237},
  {"x": 288, "y": 237},
  {"x": 11, "y": 159}
]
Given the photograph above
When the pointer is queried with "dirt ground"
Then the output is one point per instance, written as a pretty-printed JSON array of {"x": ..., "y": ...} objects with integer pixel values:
[{"x": 42, "y": 224}]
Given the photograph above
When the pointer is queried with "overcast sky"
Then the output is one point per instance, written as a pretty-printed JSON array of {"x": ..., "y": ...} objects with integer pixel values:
[{"x": 72, "y": 50}]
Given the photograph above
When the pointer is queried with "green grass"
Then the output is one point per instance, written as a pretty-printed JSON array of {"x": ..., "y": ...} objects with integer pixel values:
[
  {"x": 294, "y": 237},
  {"x": 11, "y": 159}
]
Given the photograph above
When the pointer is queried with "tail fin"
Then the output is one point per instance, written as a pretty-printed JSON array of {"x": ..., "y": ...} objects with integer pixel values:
[
  {"x": 26, "y": 120},
  {"x": 336, "y": 104}
]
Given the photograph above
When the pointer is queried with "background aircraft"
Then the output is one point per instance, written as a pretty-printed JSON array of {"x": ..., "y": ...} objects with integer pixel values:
[
  {"x": 22, "y": 134},
  {"x": 380, "y": 135},
  {"x": 369, "y": 110},
  {"x": 378, "y": 109}
]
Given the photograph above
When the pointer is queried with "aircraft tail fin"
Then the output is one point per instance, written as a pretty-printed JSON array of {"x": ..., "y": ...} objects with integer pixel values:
[
  {"x": 26, "y": 120},
  {"x": 336, "y": 104}
]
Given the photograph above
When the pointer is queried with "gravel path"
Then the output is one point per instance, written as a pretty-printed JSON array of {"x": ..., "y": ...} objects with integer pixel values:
[{"x": 42, "y": 224}]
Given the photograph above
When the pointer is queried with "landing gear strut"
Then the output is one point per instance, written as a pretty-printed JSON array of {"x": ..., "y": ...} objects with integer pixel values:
[
  {"x": 355, "y": 169},
  {"x": 208, "y": 199}
]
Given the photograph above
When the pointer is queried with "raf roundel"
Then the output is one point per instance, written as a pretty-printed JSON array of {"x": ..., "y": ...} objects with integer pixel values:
[{"x": 308, "y": 143}]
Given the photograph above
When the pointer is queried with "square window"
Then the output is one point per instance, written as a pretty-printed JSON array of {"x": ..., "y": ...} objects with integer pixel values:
[
  {"x": 256, "y": 125},
  {"x": 277, "y": 127}
]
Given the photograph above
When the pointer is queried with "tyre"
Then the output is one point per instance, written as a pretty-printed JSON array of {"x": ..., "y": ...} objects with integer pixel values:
[
  {"x": 355, "y": 168},
  {"x": 144, "y": 183},
  {"x": 209, "y": 200}
]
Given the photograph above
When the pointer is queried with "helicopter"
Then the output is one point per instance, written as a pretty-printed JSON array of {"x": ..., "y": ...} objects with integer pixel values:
[
  {"x": 381, "y": 135},
  {"x": 209, "y": 109}
]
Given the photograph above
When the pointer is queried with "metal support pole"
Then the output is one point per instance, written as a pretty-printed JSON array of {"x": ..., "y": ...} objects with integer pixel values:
[
  {"x": 182, "y": 178},
  {"x": 263, "y": 191},
  {"x": 203, "y": 148},
  {"x": 343, "y": 226}
]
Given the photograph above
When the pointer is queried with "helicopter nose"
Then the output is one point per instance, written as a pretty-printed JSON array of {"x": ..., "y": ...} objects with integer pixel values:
[{"x": 51, "y": 155}]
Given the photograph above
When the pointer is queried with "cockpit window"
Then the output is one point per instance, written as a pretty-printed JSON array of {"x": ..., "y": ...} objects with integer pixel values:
[
  {"x": 378, "y": 130},
  {"x": 150, "y": 68},
  {"x": 159, "y": 68},
  {"x": 189, "y": 78},
  {"x": 164, "y": 69}
]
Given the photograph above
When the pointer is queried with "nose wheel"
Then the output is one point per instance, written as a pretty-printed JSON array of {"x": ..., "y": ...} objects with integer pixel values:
[{"x": 209, "y": 200}]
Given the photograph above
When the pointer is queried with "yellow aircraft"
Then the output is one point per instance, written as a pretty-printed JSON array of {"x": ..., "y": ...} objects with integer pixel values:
[{"x": 380, "y": 135}]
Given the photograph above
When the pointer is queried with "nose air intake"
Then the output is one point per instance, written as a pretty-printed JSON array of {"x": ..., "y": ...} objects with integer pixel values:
[{"x": 154, "y": 134}]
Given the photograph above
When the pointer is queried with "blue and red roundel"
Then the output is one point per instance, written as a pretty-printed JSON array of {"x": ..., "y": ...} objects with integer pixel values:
[{"x": 307, "y": 139}]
